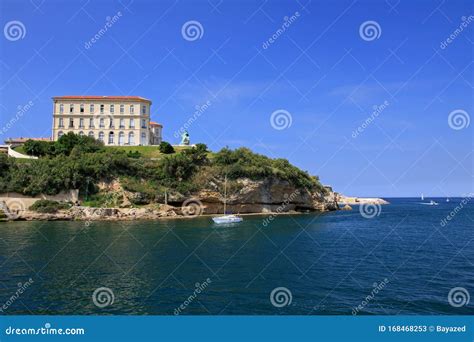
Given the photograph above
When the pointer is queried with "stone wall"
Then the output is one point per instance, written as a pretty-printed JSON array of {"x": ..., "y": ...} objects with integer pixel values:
[{"x": 16, "y": 201}]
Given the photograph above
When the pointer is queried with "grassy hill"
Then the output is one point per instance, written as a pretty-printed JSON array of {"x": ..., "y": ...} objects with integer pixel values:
[{"x": 75, "y": 162}]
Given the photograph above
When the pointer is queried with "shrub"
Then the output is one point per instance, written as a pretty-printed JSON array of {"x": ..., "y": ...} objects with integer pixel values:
[
  {"x": 134, "y": 154},
  {"x": 166, "y": 148},
  {"x": 38, "y": 148},
  {"x": 48, "y": 206}
]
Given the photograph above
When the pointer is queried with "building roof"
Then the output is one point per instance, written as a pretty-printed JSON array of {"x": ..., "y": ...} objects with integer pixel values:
[
  {"x": 97, "y": 97},
  {"x": 22, "y": 140},
  {"x": 153, "y": 123}
]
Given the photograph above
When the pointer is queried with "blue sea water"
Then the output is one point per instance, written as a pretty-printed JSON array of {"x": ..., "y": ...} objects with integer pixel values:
[{"x": 404, "y": 260}]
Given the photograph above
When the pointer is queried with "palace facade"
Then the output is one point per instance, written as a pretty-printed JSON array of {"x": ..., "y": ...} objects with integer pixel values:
[{"x": 114, "y": 120}]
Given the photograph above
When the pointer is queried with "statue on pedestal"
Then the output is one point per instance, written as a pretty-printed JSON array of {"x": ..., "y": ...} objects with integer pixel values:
[{"x": 185, "y": 138}]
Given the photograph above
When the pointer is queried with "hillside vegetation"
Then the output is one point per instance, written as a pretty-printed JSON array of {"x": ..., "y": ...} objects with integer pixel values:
[{"x": 75, "y": 162}]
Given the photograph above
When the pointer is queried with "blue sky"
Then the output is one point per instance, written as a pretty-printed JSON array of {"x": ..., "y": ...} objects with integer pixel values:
[{"x": 319, "y": 72}]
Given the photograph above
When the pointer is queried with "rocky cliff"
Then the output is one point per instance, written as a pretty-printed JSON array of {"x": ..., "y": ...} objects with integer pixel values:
[{"x": 245, "y": 196}]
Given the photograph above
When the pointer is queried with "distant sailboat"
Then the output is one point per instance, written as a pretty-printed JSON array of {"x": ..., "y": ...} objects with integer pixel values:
[
  {"x": 226, "y": 218},
  {"x": 447, "y": 199},
  {"x": 430, "y": 203},
  {"x": 422, "y": 197}
]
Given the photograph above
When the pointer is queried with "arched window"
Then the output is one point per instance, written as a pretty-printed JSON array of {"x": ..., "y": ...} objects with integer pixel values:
[
  {"x": 143, "y": 139},
  {"x": 60, "y": 134},
  {"x": 81, "y": 133},
  {"x": 91, "y": 134},
  {"x": 121, "y": 140},
  {"x": 101, "y": 136},
  {"x": 101, "y": 123},
  {"x": 111, "y": 138},
  {"x": 131, "y": 138}
]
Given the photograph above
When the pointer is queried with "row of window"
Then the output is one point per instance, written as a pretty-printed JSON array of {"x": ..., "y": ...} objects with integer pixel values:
[
  {"x": 111, "y": 124},
  {"x": 111, "y": 138},
  {"x": 101, "y": 109}
]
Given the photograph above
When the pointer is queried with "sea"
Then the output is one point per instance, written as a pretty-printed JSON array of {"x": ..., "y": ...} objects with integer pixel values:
[{"x": 405, "y": 258}]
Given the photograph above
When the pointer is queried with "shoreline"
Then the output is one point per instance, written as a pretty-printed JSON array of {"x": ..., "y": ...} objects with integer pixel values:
[
  {"x": 92, "y": 214},
  {"x": 41, "y": 217}
]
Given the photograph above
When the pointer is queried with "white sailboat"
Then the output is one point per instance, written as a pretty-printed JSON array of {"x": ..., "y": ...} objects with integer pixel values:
[
  {"x": 430, "y": 203},
  {"x": 226, "y": 218},
  {"x": 447, "y": 199},
  {"x": 422, "y": 197}
]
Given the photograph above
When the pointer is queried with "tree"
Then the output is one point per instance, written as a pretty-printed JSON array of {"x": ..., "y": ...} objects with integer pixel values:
[
  {"x": 166, "y": 148},
  {"x": 37, "y": 148},
  {"x": 80, "y": 144}
]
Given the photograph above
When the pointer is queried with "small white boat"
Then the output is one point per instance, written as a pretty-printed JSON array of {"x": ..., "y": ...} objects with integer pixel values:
[
  {"x": 447, "y": 199},
  {"x": 430, "y": 203},
  {"x": 226, "y": 218},
  {"x": 422, "y": 197}
]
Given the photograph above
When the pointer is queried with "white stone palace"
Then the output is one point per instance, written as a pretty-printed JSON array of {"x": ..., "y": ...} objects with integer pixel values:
[{"x": 114, "y": 120}]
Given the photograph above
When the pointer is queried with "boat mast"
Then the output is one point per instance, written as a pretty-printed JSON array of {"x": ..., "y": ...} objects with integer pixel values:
[{"x": 225, "y": 193}]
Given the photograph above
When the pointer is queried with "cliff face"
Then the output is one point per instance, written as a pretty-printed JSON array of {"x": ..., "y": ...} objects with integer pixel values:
[
  {"x": 265, "y": 196},
  {"x": 246, "y": 196}
]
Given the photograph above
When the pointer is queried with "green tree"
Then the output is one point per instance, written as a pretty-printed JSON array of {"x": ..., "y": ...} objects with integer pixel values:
[{"x": 166, "y": 148}]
